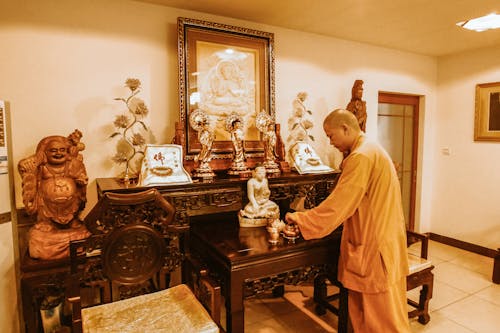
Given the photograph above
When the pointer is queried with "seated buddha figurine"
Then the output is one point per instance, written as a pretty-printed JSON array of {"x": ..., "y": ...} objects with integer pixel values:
[
  {"x": 54, "y": 182},
  {"x": 259, "y": 210}
]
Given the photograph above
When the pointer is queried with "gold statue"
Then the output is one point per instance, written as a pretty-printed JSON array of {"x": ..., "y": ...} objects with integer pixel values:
[
  {"x": 199, "y": 121},
  {"x": 234, "y": 125},
  {"x": 54, "y": 183},
  {"x": 266, "y": 126}
]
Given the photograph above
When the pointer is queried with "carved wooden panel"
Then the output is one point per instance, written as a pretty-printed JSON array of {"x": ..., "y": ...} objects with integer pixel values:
[
  {"x": 293, "y": 277},
  {"x": 195, "y": 203}
]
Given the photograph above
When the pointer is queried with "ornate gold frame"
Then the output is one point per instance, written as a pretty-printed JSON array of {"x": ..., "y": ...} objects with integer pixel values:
[
  {"x": 200, "y": 55},
  {"x": 487, "y": 116}
]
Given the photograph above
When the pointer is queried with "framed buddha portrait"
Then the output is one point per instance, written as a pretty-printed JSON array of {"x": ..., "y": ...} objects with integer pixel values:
[{"x": 224, "y": 70}]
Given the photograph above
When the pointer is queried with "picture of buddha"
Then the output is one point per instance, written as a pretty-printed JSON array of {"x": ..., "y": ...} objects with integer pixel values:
[{"x": 226, "y": 83}]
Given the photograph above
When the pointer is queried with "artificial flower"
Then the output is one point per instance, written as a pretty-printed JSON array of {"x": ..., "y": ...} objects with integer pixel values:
[
  {"x": 121, "y": 121},
  {"x": 133, "y": 84}
]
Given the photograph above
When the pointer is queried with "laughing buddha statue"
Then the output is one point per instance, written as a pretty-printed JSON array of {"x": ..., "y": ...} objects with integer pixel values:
[{"x": 54, "y": 182}]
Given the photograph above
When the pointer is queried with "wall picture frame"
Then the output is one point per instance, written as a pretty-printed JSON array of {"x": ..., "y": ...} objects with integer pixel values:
[
  {"x": 487, "y": 112},
  {"x": 223, "y": 69}
]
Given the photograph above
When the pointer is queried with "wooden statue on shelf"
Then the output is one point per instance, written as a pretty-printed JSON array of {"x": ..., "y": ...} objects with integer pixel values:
[
  {"x": 357, "y": 106},
  {"x": 54, "y": 182}
]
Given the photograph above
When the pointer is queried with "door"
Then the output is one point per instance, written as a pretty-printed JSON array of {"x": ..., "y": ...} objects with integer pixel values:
[{"x": 397, "y": 120}]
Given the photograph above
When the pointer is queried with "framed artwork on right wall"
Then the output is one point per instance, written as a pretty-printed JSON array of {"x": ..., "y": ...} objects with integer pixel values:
[{"x": 487, "y": 117}]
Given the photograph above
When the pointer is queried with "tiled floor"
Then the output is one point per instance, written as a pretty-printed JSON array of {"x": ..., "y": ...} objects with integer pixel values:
[{"x": 464, "y": 300}]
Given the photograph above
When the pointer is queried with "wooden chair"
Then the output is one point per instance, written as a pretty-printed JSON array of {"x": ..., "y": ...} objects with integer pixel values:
[
  {"x": 121, "y": 274},
  {"x": 420, "y": 275}
]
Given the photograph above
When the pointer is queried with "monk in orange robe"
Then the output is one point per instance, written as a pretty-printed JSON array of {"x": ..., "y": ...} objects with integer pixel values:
[{"x": 373, "y": 261}]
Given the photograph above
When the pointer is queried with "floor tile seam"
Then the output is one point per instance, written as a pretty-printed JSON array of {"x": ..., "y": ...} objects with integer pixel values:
[
  {"x": 460, "y": 266},
  {"x": 455, "y": 287},
  {"x": 465, "y": 297},
  {"x": 262, "y": 315},
  {"x": 461, "y": 325},
  {"x": 487, "y": 300},
  {"x": 450, "y": 257},
  {"x": 442, "y": 261},
  {"x": 269, "y": 308},
  {"x": 451, "y": 303},
  {"x": 478, "y": 269},
  {"x": 309, "y": 314},
  {"x": 452, "y": 320},
  {"x": 492, "y": 284},
  {"x": 453, "y": 248},
  {"x": 437, "y": 278}
]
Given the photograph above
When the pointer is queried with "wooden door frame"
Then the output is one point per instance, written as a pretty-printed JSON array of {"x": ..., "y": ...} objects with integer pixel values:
[{"x": 413, "y": 100}]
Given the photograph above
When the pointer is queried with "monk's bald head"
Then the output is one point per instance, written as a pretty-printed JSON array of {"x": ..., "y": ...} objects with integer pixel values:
[
  {"x": 340, "y": 117},
  {"x": 342, "y": 128}
]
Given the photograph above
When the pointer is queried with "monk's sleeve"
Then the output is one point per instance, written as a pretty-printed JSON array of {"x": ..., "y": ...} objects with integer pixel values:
[{"x": 340, "y": 204}]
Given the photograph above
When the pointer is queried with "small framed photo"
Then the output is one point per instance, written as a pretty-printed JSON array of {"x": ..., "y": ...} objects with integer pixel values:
[
  {"x": 487, "y": 117},
  {"x": 162, "y": 165}
]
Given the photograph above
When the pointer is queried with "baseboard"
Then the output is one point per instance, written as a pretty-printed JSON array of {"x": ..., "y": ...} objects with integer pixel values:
[
  {"x": 464, "y": 245},
  {"x": 5, "y": 217}
]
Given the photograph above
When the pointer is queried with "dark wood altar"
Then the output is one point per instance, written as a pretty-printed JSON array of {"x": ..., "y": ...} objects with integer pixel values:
[
  {"x": 228, "y": 194},
  {"x": 43, "y": 282}
]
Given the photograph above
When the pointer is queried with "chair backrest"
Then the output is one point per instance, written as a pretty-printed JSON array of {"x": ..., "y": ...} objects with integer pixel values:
[
  {"x": 114, "y": 210},
  {"x": 129, "y": 261},
  {"x": 132, "y": 250}
]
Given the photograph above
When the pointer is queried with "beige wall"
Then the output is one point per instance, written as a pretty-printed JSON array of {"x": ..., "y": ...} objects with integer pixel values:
[
  {"x": 8, "y": 296},
  {"x": 67, "y": 60},
  {"x": 465, "y": 198},
  {"x": 63, "y": 62}
]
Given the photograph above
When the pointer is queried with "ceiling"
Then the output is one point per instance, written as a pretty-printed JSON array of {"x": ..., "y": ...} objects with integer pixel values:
[{"x": 421, "y": 26}]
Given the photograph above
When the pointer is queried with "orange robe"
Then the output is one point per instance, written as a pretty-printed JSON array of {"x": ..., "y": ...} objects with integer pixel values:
[{"x": 373, "y": 255}]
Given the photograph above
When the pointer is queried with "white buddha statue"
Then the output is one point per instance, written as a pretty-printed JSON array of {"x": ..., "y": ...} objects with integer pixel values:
[{"x": 259, "y": 210}]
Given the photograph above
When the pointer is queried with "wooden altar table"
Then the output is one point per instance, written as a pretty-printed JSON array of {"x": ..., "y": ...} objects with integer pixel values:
[{"x": 245, "y": 262}]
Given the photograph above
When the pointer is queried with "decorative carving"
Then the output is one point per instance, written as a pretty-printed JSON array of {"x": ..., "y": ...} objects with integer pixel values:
[
  {"x": 357, "y": 106},
  {"x": 51, "y": 292},
  {"x": 297, "y": 276},
  {"x": 132, "y": 253},
  {"x": 54, "y": 183},
  {"x": 116, "y": 210},
  {"x": 192, "y": 203},
  {"x": 132, "y": 260}
]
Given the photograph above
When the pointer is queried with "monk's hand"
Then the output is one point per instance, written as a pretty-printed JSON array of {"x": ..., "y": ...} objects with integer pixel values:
[{"x": 289, "y": 218}]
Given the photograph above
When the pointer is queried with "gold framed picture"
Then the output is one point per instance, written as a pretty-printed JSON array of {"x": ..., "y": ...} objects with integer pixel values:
[
  {"x": 487, "y": 117},
  {"x": 223, "y": 70}
]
